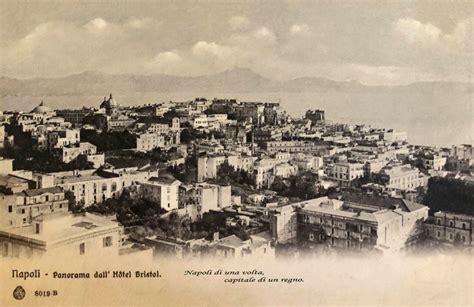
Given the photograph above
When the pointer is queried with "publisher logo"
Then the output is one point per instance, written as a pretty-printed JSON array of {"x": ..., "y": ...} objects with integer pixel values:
[{"x": 19, "y": 293}]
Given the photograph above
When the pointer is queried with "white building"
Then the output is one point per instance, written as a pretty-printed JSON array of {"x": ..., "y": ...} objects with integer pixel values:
[
  {"x": 64, "y": 234},
  {"x": 433, "y": 162},
  {"x": 150, "y": 141},
  {"x": 63, "y": 137},
  {"x": 345, "y": 172},
  {"x": 91, "y": 187},
  {"x": 163, "y": 191},
  {"x": 205, "y": 197},
  {"x": 402, "y": 177},
  {"x": 70, "y": 153}
]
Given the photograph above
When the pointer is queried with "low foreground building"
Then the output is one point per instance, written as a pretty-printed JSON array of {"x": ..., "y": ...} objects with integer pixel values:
[{"x": 64, "y": 234}]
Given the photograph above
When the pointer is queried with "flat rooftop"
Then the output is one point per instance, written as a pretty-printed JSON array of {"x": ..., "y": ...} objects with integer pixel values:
[{"x": 65, "y": 226}]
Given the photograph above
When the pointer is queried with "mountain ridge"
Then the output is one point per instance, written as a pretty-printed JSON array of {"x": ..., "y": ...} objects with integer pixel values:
[{"x": 231, "y": 80}]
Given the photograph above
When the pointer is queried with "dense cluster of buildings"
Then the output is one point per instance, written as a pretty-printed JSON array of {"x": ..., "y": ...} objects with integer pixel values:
[{"x": 375, "y": 177}]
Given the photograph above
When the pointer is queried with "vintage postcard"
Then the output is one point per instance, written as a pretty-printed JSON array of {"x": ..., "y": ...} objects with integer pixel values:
[{"x": 236, "y": 153}]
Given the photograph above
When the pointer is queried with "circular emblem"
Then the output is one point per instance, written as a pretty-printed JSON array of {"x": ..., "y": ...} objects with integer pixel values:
[{"x": 19, "y": 293}]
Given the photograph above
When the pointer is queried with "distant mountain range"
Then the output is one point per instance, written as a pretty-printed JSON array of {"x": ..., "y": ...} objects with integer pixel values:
[{"x": 235, "y": 80}]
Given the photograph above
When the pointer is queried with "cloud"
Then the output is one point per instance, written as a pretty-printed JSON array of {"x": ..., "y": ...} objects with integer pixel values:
[
  {"x": 415, "y": 32},
  {"x": 462, "y": 38},
  {"x": 60, "y": 48},
  {"x": 168, "y": 62},
  {"x": 401, "y": 50},
  {"x": 97, "y": 24},
  {"x": 142, "y": 23},
  {"x": 203, "y": 48},
  {"x": 239, "y": 23},
  {"x": 167, "y": 57},
  {"x": 264, "y": 34},
  {"x": 299, "y": 29}
]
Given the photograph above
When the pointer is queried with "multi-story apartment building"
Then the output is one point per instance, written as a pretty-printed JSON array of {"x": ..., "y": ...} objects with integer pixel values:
[
  {"x": 345, "y": 172},
  {"x": 93, "y": 186},
  {"x": 163, "y": 191},
  {"x": 357, "y": 223},
  {"x": 205, "y": 197},
  {"x": 283, "y": 224},
  {"x": 315, "y": 116},
  {"x": 216, "y": 122},
  {"x": 433, "y": 161},
  {"x": 393, "y": 136},
  {"x": 64, "y": 234},
  {"x": 159, "y": 128},
  {"x": 266, "y": 169},
  {"x": 209, "y": 164},
  {"x": 33, "y": 202},
  {"x": 307, "y": 162},
  {"x": 266, "y": 134},
  {"x": 450, "y": 228},
  {"x": 21, "y": 208},
  {"x": 63, "y": 137},
  {"x": 251, "y": 111},
  {"x": 461, "y": 157},
  {"x": 295, "y": 147},
  {"x": 73, "y": 116},
  {"x": 150, "y": 141},
  {"x": 274, "y": 114},
  {"x": 402, "y": 177},
  {"x": 71, "y": 152}
]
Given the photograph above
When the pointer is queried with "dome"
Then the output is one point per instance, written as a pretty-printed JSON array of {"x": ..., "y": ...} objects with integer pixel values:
[
  {"x": 41, "y": 109},
  {"x": 108, "y": 103},
  {"x": 112, "y": 102}
]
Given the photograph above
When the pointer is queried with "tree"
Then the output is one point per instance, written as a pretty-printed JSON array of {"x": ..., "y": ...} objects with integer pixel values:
[
  {"x": 106, "y": 141},
  {"x": 73, "y": 205},
  {"x": 449, "y": 194}
]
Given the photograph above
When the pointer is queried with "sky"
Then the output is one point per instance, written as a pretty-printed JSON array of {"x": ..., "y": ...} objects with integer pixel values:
[{"x": 373, "y": 42}]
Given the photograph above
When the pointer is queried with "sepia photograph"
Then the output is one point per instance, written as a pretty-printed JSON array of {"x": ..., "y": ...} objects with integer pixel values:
[{"x": 236, "y": 153}]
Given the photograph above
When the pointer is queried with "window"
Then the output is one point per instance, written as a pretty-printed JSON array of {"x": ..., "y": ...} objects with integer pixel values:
[
  {"x": 439, "y": 221},
  {"x": 22, "y": 211},
  {"x": 37, "y": 227},
  {"x": 451, "y": 236},
  {"x": 104, "y": 187},
  {"x": 439, "y": 234},
  {"x": 107, "y": 241},
  {"x": 311, "y": 236},
  {"x": 114, "y": 186},
  {"x": 10, "y": 209},
  {"x": 451, "y": 224},
  {"x": 82, "y": 248},
  {"x": 463, "y": 226}
]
